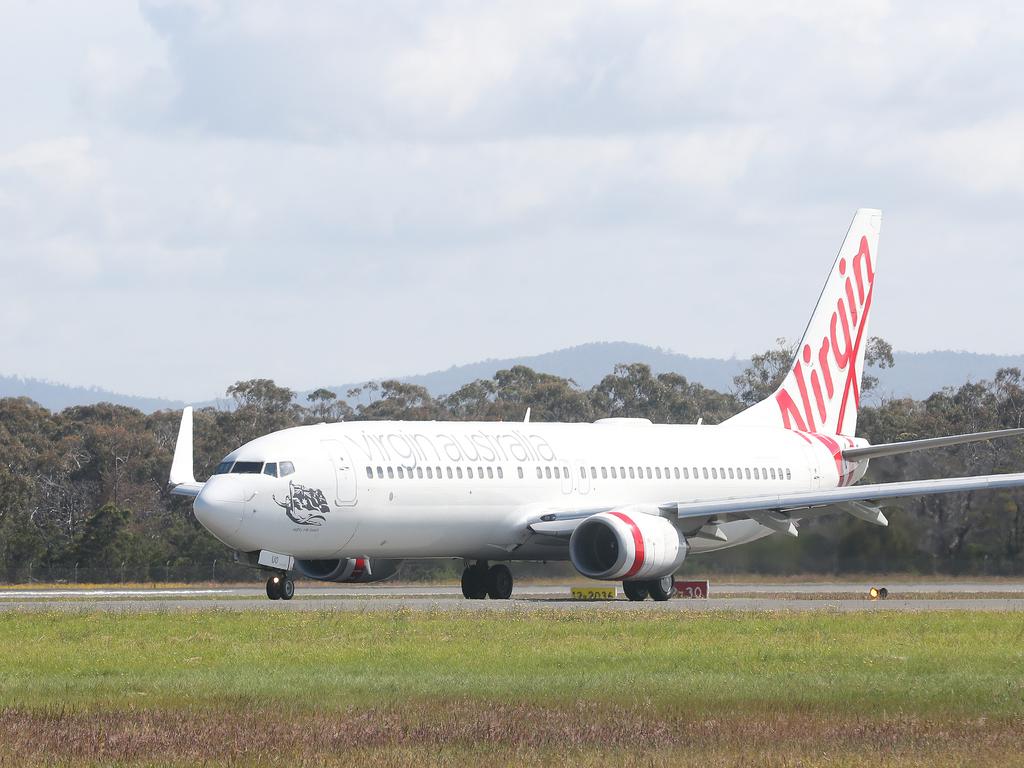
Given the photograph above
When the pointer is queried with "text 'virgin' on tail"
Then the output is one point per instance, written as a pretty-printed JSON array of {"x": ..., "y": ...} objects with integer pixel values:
[{"x": 821, "y": 392}]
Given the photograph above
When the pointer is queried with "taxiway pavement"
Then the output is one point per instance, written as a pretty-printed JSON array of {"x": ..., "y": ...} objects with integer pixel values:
[{"x": 817, "y": 596}]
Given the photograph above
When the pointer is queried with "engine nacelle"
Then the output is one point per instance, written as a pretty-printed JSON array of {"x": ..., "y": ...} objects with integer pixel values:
[
  {"x": 631, "y": 546},
  {"x": 348, "y": 569}
]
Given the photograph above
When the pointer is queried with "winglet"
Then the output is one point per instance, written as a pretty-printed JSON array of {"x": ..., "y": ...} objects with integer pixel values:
[{"x": 182, "y": 466}]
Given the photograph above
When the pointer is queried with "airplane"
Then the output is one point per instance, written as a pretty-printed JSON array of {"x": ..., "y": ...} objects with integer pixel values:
[{"x": 622, "y": 499}]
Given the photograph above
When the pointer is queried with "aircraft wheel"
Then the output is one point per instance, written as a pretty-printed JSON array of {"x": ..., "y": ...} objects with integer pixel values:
[
  {"x": 287, "y": 588},
  {"x": 474, "y": 583},
  {"x": 662, "y": 589},
  {"x": 499, "y": 582},
  {"x": 274, "y": 587},
  {"x": 635, "y": 590}
]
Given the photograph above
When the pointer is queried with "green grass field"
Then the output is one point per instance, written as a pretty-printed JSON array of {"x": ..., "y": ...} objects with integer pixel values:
[{"x": 536, "y": 687}]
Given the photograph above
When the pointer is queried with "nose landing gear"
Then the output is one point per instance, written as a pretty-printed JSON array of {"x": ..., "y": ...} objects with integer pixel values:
[
  {"x": 479, "y": 581},
  {"x": 280, "y": 587}
]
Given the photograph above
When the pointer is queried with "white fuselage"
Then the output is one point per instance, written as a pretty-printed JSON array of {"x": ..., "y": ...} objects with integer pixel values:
[{"x": 470, "y": 489}]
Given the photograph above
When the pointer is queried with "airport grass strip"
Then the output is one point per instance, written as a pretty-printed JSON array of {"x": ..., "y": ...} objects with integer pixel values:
[{"x": 531, "y": 687}]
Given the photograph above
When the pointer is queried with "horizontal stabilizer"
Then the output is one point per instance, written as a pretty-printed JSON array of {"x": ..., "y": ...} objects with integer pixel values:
[{"x": 893, "y": 449}]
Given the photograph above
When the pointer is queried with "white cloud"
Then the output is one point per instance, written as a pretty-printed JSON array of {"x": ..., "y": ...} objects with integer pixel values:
[{"x": 391, "y": 187}]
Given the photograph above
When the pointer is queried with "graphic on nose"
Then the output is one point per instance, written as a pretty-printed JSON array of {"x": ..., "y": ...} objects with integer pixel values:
[{"x": 219, "y": 506}]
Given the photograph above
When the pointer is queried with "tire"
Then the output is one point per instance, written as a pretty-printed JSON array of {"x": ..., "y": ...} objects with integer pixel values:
[
  {"x": 287, "y": 588},
  {"x": 636, "y": 591},
  {"x": 499, "y": 582},
  {"x": 662, "y": 589},
  {"x": 474, "y": 583},
  {"x": 273, "y": 589}
]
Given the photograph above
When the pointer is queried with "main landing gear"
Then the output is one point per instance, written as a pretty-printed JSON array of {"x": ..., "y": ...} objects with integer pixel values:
[
  {"x": 280, "y": 587},
  {"x": 479, "y": 581},
  {"x": 658, "y": 590}
]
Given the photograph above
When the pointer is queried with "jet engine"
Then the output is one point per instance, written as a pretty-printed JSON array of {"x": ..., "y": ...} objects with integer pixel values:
[
  {"x": 348, "y": 569},
  {"x": 631, "y": 546}
]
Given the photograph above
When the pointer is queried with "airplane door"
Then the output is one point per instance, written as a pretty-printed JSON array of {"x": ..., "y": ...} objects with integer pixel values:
[
  {"x": 813, "y": 466},
  {"x": 344, "y": 473},
  {"x": 582, "y": 478}
]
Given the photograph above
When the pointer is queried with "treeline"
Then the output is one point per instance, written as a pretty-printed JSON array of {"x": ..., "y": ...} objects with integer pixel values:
[{"x": 83, "y": 492}]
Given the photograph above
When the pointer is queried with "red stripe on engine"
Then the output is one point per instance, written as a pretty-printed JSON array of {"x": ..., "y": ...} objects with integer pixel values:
[{"x": 638, "y": 545}]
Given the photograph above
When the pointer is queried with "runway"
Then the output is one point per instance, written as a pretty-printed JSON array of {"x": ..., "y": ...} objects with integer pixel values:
[{"x": 818, "y": 596}]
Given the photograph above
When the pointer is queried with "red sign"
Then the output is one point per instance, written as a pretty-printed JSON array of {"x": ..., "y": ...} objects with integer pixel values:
[{"x": 697, "y": 589}]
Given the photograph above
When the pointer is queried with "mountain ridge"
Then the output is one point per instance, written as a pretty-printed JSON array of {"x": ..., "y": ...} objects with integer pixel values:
[{"x": 915, "y": 374}]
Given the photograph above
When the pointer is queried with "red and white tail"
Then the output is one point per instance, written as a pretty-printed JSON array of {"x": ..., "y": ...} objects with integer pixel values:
[{"x": 822, "y": 390}]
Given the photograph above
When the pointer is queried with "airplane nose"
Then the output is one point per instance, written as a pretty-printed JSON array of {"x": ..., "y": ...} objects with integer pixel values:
[{"x": 219, "y": 507}]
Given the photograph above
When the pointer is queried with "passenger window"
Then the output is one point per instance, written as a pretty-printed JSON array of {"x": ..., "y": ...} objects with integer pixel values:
[
  {"x": 430, "y": 473},
  {"x": 764, "y": 473},
  {"x": 458, "y": 472},
  {"x": 773, "y": 473},
  {"x": 604, "y": 473},
  {"x": 401, "y": 474},
  {"x": 540, "y": 473},
  {"x": 705, "y": 473},
  {"x": 757, "y": 474},
  {"x": 369, "y": 473},
  {"x": 391, "y": 473},
  {"x": 650, "y": 475},
  {"x": 557, "y": 476},
  {"x": 547, "y": 472},
  {"x": 270, "y": 468},
  {"x": 747, "y": 470},
  {"x": 789, "y": 474},
  {"x": 490, "y": 473},
  {"x": 247, "y": 468},
  {"x": 437, "y": 470},
  {"x": 732, "y": 475},
  {"x": 519, "y": 470},
  {"x": 780, "y": 473},
  {"x": 501, "y": 474},
  {"x": 614, "y": 476},
  {"x": 632, "y": 474},
  {"x": 723, "y": 472},
  {"x": 565, "y": 473},
  {"x": 380, "y": 472},
  {"x": 714, "y": 473},
  {"x": 449, "y": 472},
  {"x": 657, "y": 472},
  {"x": 686, "y": 473},
  {"x": 593, "y": 473},
  {"x": 223, "y": 468},
  {"x": 419, "y": 473}
]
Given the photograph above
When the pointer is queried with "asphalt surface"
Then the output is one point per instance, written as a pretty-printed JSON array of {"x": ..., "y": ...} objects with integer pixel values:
[{"x": 845, "y": 597}]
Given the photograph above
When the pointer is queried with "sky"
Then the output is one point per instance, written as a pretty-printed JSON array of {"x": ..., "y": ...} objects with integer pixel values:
[{"x": 198, "y": 192}]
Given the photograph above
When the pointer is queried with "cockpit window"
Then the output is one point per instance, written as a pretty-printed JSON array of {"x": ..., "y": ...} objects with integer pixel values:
[
  {"x": 247, "y": 468},
  {"x": 285, "y": 468},
  {"x": 270, "y": 468},
  {"x": 223, "y": 468}
]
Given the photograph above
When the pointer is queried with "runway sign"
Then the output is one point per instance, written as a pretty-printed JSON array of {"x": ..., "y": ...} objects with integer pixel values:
[
  {"x": 594, "y": 593},
  {"x": 697, "y": 589}
]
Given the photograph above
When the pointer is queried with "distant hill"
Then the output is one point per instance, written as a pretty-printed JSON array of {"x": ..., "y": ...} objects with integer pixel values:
[
  {"x": 57, "y": 397},
  {"x": 916, "y": 374}
]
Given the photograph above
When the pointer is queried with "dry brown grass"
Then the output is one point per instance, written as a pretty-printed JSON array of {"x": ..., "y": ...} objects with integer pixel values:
[{"x": 450, "y": 733}]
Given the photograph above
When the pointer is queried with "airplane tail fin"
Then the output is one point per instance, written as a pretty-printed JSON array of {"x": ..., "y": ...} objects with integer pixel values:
[{"x": 821, "y": 392}]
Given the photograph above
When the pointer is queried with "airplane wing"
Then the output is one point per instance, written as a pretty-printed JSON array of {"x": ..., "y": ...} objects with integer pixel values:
[
  {"x": 182, "y": 479},
  {"x": 781, "y": 511}
]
